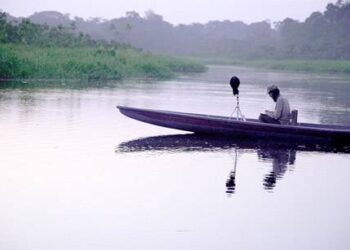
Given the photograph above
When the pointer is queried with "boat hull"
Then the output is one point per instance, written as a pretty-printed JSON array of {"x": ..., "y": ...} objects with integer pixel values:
[{"x": 231, "y": 127}]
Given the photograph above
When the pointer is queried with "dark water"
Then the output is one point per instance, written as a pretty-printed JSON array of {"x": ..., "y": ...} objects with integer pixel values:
[{"x": 76, "y": 174}]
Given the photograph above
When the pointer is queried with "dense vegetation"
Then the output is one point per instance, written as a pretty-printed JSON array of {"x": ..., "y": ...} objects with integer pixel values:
[
  {"x": 321, "y": 36},
  {"x": 30, "y": 50},
  {"x": 50, "y": 44}
]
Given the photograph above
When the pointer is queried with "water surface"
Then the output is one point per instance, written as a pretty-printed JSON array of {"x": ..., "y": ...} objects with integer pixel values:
[{"x": 76, "y": 174}]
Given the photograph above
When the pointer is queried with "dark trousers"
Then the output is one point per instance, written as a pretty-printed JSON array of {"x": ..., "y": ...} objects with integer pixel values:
[{"x": 268, "y": 119}]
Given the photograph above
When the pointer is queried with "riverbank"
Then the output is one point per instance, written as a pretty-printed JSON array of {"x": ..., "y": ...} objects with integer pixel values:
[
  {"x": 101, "y": 63},
  {"x": 315, "y": 66}
]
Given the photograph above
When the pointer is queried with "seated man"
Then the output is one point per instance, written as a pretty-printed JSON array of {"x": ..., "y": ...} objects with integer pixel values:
[{"x": 282, "y": 114}]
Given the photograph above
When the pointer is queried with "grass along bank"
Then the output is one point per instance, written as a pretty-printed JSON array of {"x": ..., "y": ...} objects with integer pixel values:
[
  {"x": 92, "y": 63},
  {"x": 315, "y": 66}
]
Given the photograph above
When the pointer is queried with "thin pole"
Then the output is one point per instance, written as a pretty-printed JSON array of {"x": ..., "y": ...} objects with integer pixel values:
[{"x": 239, "y": 115}]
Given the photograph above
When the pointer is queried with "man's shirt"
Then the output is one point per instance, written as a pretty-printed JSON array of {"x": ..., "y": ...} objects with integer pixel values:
[{"x": 282, "y": 110}]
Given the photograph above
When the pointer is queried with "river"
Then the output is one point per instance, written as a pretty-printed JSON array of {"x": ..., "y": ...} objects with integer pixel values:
[{"x": 76, "y": 174}]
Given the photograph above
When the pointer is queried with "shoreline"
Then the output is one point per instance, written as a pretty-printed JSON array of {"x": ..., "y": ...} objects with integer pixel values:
[{"x": 293, "y": 65}]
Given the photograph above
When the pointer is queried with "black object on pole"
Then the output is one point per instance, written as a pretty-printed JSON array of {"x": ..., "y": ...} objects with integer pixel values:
[{"x": 234, "y": 83}]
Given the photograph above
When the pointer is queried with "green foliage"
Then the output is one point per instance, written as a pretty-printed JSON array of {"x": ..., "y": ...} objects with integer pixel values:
[
  {"x": 30, "y": 50},
  {"x": 182, "y": 65},
  {"x": 11, "y": 65},
  {"x": 19, "y": 61},
  {"x": 28, "y": 33}
]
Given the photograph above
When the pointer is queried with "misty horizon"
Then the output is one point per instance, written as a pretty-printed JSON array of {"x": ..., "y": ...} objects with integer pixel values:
[
  {"x": 250, "y": 12},
  {"x": 144, "y": 16}
]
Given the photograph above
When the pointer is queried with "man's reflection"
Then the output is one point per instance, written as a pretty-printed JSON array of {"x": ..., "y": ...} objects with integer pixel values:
[{"x": 281, "y": 160}]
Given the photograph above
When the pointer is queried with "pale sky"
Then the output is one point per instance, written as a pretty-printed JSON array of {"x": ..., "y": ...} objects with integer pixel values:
[{"x": 174, "y": 11}]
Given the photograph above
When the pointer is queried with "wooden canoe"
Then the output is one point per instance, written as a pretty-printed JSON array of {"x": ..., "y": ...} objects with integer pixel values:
[{"x": 231, "y": 127}]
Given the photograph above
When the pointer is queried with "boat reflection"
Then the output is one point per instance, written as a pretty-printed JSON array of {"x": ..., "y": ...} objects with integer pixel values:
[
  {"x": 196, "y": 142},
  {"x": 281, "y": 154}
]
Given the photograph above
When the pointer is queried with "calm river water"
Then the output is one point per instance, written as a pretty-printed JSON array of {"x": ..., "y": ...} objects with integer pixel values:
[{"x": 76, "y": 174}]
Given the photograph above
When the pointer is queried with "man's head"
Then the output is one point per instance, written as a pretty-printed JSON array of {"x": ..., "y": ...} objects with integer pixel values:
[{"x": 273, "y": 92}]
